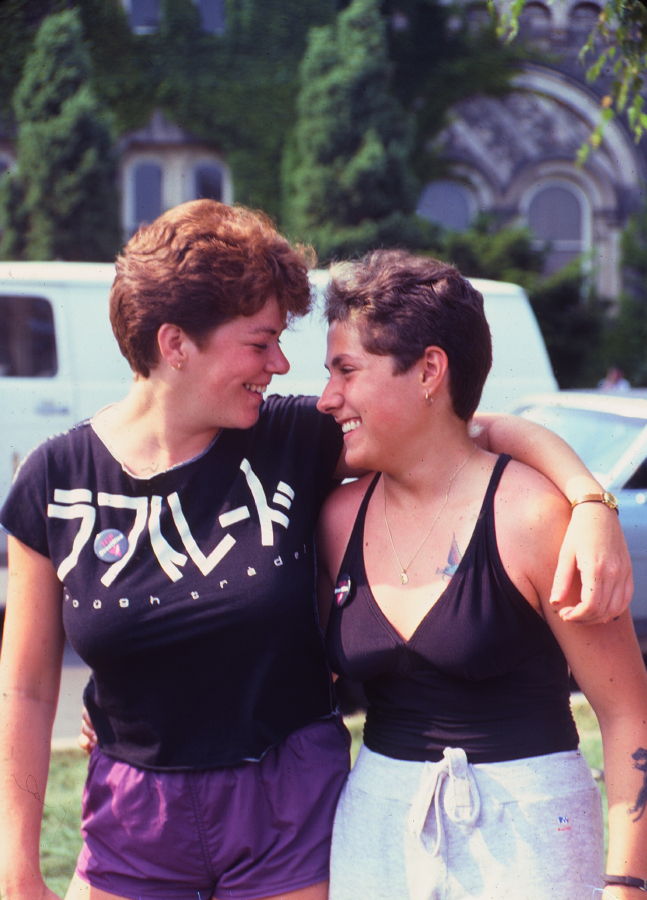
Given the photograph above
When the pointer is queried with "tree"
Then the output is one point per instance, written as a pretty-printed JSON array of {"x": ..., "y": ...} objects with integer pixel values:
[
  {"x": 572, "y": 325},
  {"x": 616, "y": 49},
  {"x": 570, "y": 316},
  {"x": 348, "y": 182},
  {"x": 19, "y": 20},
  {"x": 61, "y": 200},
  {"x": 439, "y": 59},
  {"x": 627, "y": 338},
  {"x": 487, "y": 251}
]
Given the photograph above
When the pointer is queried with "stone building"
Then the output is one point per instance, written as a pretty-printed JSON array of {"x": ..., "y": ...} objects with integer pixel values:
[{"x": 515, "y": 156}]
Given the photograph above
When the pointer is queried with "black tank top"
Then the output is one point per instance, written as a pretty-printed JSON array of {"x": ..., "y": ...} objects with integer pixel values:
[{"x": 482, "y": 671}]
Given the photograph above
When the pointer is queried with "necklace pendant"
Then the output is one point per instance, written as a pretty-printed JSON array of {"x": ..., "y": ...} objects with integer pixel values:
[{"x": 404, "y": 578}]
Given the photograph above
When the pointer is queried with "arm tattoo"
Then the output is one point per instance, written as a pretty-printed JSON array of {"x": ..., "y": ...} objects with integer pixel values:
[
  {"x": 641, "y": 764},
  {"x": 453, "y": 559}
]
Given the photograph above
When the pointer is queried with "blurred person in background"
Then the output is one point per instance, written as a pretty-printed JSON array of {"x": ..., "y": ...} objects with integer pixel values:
[{"x": 614, "y": 381}]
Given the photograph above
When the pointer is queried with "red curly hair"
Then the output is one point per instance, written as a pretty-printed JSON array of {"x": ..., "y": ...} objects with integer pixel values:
[{"x": 198, "y": 266}]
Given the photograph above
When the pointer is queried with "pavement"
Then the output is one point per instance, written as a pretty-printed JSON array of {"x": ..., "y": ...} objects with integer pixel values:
[{"x": 74, "y": 677}]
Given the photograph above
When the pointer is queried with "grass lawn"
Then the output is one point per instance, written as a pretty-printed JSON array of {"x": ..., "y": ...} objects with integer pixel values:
[
  {"x": 60, "y": 838},
  {"x": 60, "y": 841}
]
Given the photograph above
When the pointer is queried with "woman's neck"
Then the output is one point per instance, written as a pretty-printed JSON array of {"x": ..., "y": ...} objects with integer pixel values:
[
  {"x": 146, "y": 432},
  {"x": 424, "y": 471}
]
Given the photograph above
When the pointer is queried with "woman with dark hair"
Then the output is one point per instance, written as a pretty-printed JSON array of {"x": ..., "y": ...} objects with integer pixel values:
[
  {"x": 171, "y": 539},
  {"x": 436, "y": 578}
]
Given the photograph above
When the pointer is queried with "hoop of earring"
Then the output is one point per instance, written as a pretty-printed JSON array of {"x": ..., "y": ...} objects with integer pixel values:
[{"x": 428, "y": 398}]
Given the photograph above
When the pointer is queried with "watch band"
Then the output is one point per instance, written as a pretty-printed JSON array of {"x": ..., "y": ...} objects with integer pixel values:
[
  {"x": 605, "y": 497},
  {"x": 627, "y": 880}
]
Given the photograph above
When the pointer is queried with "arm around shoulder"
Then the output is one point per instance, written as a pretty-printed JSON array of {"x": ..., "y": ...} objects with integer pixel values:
[{"x": 594, "y": 549}]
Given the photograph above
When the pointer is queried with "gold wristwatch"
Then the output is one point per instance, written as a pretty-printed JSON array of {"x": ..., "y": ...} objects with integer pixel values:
[{"x": 606, "y": 497}]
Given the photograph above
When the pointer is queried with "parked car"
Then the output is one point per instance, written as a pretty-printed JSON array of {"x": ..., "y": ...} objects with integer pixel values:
[{"x": 609, "y": 432}]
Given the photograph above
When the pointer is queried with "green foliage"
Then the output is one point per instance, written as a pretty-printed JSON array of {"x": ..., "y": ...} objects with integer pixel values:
[
  {"x": 627, "y": 337},
  {"x": 485, "y": 251},
  {"x": 66, "y": 170},
  {"x": 13, "y": 217},
  {"x": 61, "y": 839},
  {"x": 437, "y": 61},
  {"x": 572, "y": 325},
  {"x": 240, "y": 88},
  {"x": 616, "y": 48},
  {"x": 618, "y": 44},
  {"x": 126, "y": 68},
  {"x": 19, "y": 21},
  {"x": 237, "y": 90},
  {"x": 348, "y": 183},
  {"x": 234, "y": 90},
  {"x": 570, "y": 318}
]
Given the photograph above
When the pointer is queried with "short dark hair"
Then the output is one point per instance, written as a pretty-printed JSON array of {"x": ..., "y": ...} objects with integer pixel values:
[
  {"x": 404, "y": 303},
  {"x": 198, "y": 266}
]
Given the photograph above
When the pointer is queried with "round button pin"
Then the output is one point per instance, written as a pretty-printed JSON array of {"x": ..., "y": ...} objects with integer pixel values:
[
  {"x": 342, "y": 590},
  {"x": 110, "y": 545}
]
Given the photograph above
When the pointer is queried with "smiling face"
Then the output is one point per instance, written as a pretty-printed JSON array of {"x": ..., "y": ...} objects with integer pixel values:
[
  {"x": 376, "y": 409},
  {"x": 233, "y": 368}
]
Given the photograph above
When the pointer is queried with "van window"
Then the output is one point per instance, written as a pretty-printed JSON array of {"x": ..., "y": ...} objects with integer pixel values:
[{"x": 27, "y": 343}]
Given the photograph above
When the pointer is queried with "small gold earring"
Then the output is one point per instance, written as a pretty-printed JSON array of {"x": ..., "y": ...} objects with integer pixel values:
[{"x": 428, "y": 398}]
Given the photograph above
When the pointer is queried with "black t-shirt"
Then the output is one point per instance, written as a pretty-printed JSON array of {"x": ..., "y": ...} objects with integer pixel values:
[{"x": 190, "y": 594}]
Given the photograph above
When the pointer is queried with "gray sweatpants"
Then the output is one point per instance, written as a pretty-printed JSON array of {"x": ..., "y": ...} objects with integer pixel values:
[{"x": 528, "y": 829}]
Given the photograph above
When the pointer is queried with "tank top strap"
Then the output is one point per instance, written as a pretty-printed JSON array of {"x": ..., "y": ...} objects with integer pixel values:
[
  {"x": 361, "y": 512},
  {"x": 487, "y": 507},
  {"x": 357, "y": 532}
]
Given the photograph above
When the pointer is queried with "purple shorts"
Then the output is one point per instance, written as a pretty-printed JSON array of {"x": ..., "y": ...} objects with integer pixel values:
[{"x": 251, "y": 831}]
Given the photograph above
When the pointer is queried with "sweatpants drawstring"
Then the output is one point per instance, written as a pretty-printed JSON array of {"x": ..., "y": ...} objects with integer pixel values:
[{"x": 460, "y": 796}]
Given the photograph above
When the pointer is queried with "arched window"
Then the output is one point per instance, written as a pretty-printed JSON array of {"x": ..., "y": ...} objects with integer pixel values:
[
  {"x": 583, "y": 17},
  {"x": 478, "y": 17},
  {"x": 147, "y": 192},
  {"x": 447, "y": 203},
  {"x": 208, "y": 181},
  {"x": 153, "y": 181},
  {"x": 556, "y": 217},
  {"x": 144, "y": 15},
  {"x": 534, "y": 19},
  {"x": 212, "y": 13}
]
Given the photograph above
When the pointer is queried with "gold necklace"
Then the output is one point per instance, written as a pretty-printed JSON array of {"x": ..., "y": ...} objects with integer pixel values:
[{"x": 404, "y": 578}]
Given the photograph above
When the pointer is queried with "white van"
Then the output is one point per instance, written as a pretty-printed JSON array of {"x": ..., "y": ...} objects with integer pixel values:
[
  {"x": 520, "y": 359},
  {"x": 59, "y": 361}
]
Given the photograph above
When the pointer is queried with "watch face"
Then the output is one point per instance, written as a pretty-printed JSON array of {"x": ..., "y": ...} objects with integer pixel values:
[{"x": 610, "y": 500}]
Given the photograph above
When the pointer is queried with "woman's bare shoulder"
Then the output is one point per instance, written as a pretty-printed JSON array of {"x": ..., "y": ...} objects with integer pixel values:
[
  {"x": 338, "y": 516},
  {"x": 348, "y": 496},
  {"x": 527, "y": 492},
  {"x": 531, "y": 519}
]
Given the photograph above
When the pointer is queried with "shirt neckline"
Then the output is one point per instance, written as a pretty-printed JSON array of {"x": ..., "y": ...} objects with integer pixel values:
[{"x": 138, "y": 477}]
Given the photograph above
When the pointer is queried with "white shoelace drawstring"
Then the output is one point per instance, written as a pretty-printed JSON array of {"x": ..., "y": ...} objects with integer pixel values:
[{"x": 461, "y": 799}]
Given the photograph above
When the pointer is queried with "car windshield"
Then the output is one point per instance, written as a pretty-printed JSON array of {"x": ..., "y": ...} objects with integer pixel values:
[{"x": 598, "y": 438}]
